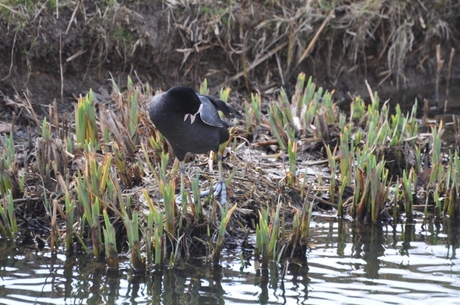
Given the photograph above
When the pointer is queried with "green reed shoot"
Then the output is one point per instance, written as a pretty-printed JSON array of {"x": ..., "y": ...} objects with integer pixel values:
[
  {"x": 370, "y": 184},
  {"x": 110, "y": 242},
  {"x": 262, "y": 237},
  {"x": 292, "y": 156},
  {"x": 276, "y": 119},
  {"x": 197, "y": 208},
  {"x": 5, "y": 223},
  {"x": 204, "y": 87},
  {"x": 131, "y": 221},
  {"x": 456, "y": 161},
  {"x": 332, "y": 168},
  {"x": 357, "y": 109},
  {"x": 13, "y": 225},
  {"x": 346, "y": 156},
  {"x": 438, "y": 203},
  {"x": 256, "y": 107},
  {"x": 378, "y": 190},
  {"x": 157, "y": 142},
  {"x": 5, "y": 230},
  {"x": 310, "y": 102},
  {"x": 253, "y": 112},
  {"x": 91, "y": 212},
  {"x": 94, "y": 188},
  {"x": 450, "y": 198},
  {"x": 310, "y": 109},
  {"x": 407, "y": 188},
  {"x": 133, "y": 106},
  {"x": 11, "y": 181},
  {"x": 70, "y": 219},
  {"x": 85, "y": 120},
  {"x": 9, "y": 153},
  {"x": 396, "y": 199},
  {"x": 167, "y": 189},
  {"x": 248, "y": 113},
  {"x": 224, "y": 94},
  {"x": 267, "y": 234},
  {"x": 301, "y": 226},
  {"x": 226, "y": 214},
  {"x": 436, "y": 155},
  {"x": 155, "y": 234},
  {"x": 7, "y": 159},
  {"x": 286, "y": 109},
  {"x": 341, "y": 191},
  {"x": 149, "y": 231},
  {"x": 328, "y": 105},
  {"x": 164, "y": 160}
]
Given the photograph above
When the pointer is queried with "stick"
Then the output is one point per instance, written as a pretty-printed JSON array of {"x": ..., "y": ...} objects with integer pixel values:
[
  {"x": 254, "y": 64},
  {"x": 449, "y": 68},
  {"x": 440, "y": 63},
  {"x": 311, "y": 44}
]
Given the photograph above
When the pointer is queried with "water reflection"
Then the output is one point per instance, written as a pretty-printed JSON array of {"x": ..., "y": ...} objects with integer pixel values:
[{"x": 349, "y": 263}]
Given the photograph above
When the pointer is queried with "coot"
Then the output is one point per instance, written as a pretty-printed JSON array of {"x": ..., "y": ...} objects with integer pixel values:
[{"x": 191, "y": 123}]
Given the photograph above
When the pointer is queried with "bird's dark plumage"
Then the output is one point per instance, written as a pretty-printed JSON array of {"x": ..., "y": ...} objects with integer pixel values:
[{"x": 189, "y": 121}]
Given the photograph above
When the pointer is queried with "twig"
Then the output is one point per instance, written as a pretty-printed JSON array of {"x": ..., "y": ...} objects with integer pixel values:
[
  {"x": 440, "y": 63},
  {"x": 312, "y": 43},
  {"x": 369, "y": 90},
  {"x": 12, "y": 56},
  {"x": 73, "y": 17},
  {"x": 60, "y": 67},
  {"x": 449, "y": 69},
  {"x": 254, "y": 64}
]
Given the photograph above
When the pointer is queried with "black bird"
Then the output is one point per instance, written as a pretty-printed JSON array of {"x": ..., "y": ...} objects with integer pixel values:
[{"x": 191, "y": 123}]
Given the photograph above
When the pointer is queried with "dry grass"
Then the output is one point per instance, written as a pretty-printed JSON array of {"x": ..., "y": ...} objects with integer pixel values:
[
  {"x": 362, "y": 36},
  {"x": 263, "y": 42}
]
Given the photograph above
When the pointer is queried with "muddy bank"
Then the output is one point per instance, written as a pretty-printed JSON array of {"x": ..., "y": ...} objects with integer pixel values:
[{"x": 57, "y": 53}]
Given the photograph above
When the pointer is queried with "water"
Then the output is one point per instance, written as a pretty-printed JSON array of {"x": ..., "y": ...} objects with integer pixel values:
[{"x": 348, "y": 263}]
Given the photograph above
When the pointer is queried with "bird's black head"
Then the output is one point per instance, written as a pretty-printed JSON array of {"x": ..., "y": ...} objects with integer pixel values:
[{"x": 184, "y": 99}]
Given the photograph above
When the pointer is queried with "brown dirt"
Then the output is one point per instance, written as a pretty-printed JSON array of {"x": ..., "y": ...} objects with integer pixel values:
[{"x": 40, "y": 60}]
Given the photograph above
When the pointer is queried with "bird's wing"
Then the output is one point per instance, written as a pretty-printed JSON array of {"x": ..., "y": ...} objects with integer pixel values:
[
  {"x": 226, "y": 108},
  {"x": 208, "y": 113}
]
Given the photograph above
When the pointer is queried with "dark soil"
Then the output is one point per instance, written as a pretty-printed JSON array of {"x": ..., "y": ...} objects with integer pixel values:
[{"x": 57, "y": 58}]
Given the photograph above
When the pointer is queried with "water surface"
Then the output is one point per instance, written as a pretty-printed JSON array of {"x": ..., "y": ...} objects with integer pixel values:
[{"x": 348, "y": 263}]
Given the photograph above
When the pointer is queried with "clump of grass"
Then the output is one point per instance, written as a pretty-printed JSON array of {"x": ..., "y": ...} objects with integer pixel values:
[
  {"x": 154, "y": 233},
  {"x": 301, "y": 228},
  {"x": 131, "y": 221},
  {"x": 268, "y": 233},
  {"x": 8, "y": 224},
  {"x": 218, "y": 242},
  {"x": 110, "y": 242},
  {"x": 10, "y": 182},
  {"x": 253, "y": 112},
  {"x": 85, "y": 122},
  {"x": 96, "y": 190}
]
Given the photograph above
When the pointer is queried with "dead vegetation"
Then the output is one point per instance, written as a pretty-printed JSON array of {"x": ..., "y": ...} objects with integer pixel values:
[
  {"x": 114, "y": 189},
  {"x": 256, "y": 45}
]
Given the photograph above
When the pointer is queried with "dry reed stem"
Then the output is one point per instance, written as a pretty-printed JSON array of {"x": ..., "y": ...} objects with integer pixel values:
[
  {"x": 254, "y": 64},
  {"x": 312, "y": 43}
]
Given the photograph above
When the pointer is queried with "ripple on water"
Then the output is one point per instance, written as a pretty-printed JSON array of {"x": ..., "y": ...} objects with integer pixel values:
[{"x": 349, "y": 263}]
